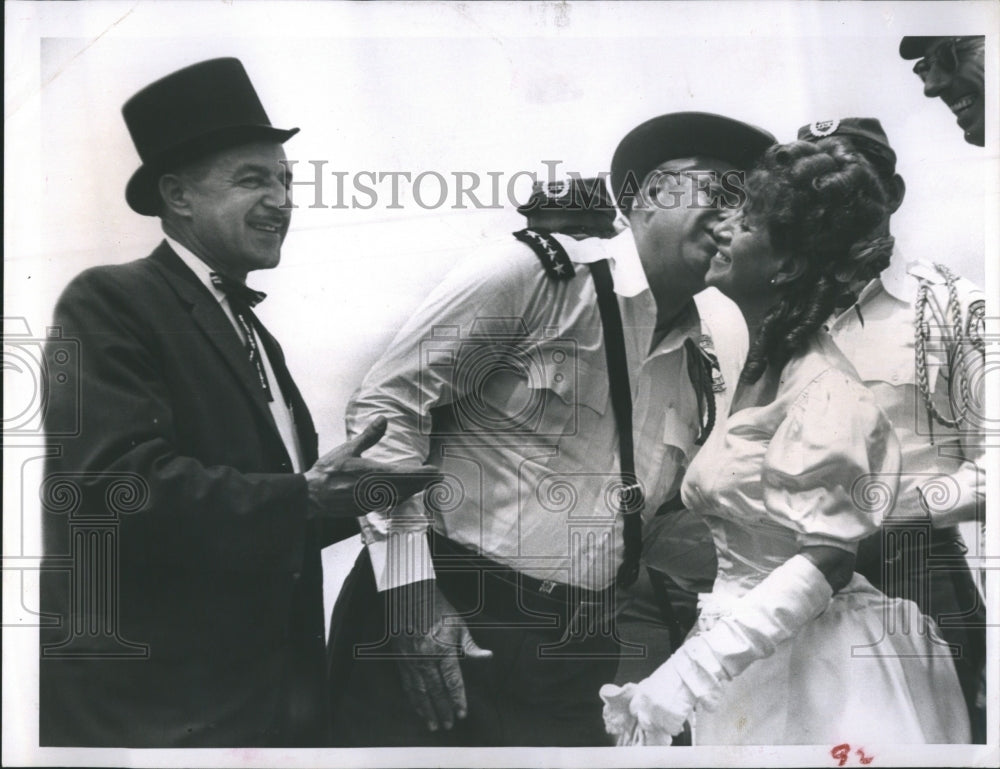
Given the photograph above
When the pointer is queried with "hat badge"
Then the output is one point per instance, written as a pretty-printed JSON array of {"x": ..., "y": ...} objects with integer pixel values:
[
  {"x": 554, "y": 190},
  {"x": 822, "y": 128}
]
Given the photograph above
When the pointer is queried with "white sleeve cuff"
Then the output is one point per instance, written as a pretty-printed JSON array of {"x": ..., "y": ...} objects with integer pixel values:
[{"x": 398, "y": 556}]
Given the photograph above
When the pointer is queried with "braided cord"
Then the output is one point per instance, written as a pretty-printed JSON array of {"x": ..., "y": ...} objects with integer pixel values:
[{"x": 922, "y": 334}]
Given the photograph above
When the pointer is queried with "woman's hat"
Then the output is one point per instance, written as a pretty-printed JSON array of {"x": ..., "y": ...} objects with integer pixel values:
[{"x": 188, "y": 115}]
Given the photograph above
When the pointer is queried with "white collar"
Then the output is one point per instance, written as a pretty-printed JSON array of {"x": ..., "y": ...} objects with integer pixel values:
[
  {"x": 898, "y": 280},
  {"x": 626, "y": 268},
  {"x": 197, "y": 266}
]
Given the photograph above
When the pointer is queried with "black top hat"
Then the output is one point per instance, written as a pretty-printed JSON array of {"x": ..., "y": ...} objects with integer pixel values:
[
  {"x": 682, "y": 135},
  {"x": 865, "y": 133},
  {"x": 188, "y": 115}
]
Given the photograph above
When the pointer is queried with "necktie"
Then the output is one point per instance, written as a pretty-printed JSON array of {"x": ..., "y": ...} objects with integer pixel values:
[{"x": 241, "y": 300}]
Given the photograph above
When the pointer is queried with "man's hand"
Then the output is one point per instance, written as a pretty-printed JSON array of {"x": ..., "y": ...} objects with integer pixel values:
[
  {"x": 432, "y": 640},
  {"x": 333, "y": 480}
]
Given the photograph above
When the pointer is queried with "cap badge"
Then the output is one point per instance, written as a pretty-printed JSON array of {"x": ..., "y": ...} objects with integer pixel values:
[
  {"x": 822, "y": 128},
  {"x": 554, "y": 190}
]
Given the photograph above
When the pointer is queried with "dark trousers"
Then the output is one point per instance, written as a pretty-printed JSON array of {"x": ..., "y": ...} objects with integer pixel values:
[
  {"x": 540, "y": 688},
  {"x": 654, "y": 615},
  {"x": 929, "y": 568}
]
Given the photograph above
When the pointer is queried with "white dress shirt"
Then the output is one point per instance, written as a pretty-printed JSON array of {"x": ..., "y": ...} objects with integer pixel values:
[
  {"x": 282, "y": 414},
  {"x": 500, "y": 380}
]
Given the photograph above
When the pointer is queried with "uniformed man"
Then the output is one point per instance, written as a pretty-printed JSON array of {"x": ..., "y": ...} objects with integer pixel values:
[
  {"x": 679, "y": 560},
  {"x": 953, "y": 70},
  {"x": 513, "y": 379},
  {"x": 914, "y": 333}
]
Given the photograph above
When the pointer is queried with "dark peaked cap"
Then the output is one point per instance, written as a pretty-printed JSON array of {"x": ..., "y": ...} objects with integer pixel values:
[
  {"x": 188, "y": 115},
  {"x": 683, "y": 135},
  {"x": 914, "y": 47},
  {"x": 866, "y": 133}
]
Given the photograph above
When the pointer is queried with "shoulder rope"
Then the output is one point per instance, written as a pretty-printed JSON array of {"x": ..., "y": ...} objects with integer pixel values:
[{"x": 922, "y": 334}]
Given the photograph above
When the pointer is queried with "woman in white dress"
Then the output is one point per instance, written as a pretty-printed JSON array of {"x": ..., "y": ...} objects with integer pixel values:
[{"x": 791, "y": 645}]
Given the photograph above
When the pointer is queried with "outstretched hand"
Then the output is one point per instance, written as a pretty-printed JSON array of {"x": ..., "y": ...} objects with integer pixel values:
[{"x": 343, "y": 483}]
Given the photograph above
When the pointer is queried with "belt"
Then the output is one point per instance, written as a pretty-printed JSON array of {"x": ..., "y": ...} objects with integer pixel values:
[{"x": 451, "y": 558}]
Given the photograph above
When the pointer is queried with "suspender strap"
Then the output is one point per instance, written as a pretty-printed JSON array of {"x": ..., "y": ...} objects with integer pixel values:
[{"x": 631, "y": 498}]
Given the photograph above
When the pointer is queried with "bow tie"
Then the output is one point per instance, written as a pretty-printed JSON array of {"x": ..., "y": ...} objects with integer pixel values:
[{"x": 237, "y": 291}]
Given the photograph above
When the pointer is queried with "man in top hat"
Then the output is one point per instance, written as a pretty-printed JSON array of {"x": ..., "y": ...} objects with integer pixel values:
[
  {"x": 953, "y": 70},
  {"x": 183, "y": 520},
  {"x": 575, "y": 206},
  {"x": 556, "y": 384},
  {"x": 931, "y": 388}
]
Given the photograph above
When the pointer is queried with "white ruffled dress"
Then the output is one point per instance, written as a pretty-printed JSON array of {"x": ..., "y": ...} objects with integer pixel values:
[{"x": 817, "y": 466}]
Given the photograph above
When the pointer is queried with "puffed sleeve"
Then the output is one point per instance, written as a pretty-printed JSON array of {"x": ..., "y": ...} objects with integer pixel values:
[{"x": 832, "y": 468}]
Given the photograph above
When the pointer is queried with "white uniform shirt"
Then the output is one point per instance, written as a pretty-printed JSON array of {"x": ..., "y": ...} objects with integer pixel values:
[
  {"x": 877, "y": 336},
  {"x": 500, "y": 380}
]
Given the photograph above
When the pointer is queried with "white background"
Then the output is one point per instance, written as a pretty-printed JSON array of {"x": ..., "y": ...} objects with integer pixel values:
[{"x": 415, "y": 87}]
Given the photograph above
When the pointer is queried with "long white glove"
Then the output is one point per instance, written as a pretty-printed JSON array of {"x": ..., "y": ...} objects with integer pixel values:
[{"x": 789, "y": 598}]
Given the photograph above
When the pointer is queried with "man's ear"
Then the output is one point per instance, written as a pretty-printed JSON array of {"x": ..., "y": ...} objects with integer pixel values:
[
  {"x": 175, "y": 196},
  {"x": 896, "y": 193}
]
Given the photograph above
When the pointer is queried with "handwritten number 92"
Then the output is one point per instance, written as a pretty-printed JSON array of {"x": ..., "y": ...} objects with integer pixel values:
[{"x": 843, "y": 752}]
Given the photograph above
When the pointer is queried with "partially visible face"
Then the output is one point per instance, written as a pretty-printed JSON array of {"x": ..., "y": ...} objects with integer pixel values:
[
  {"x": 954, "y": 72},
  {"x": 746, "y": 260},
  {"x": 673, "y": 219},
  {"x": 237, "y": 222}
]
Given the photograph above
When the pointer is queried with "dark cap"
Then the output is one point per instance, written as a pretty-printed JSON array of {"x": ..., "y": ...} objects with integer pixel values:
[
  {"x": 576, "y": 194},
  {"x": 682, "y": 135},
  {"x": 916, "y": 47},
  {"x": 188, "y": 115},
  {"x": 865, "y": 133}
]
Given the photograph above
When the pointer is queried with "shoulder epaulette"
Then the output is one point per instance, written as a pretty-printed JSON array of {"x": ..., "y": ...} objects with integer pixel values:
[
  {"x": 550, "y": 253},
  {"x": 926, "y": 273}
]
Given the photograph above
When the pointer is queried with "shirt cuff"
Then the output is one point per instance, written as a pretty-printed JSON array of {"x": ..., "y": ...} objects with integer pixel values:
[{"x": 399, "y": 557}]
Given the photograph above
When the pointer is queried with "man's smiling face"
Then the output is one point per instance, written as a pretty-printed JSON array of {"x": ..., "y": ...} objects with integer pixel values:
[
  {"x": 953, "y": 70},
  {"x": 237, "y": 219}
]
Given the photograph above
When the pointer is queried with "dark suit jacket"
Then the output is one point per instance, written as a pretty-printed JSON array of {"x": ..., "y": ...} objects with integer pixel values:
[{"x": 182, "y": 579}]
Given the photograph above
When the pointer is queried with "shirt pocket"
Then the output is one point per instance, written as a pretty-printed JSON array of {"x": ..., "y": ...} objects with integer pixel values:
[
  {"x": 895, "y": 364},
  {"x": 538, "y": 389},
  {"x": 567, "y": 383}
]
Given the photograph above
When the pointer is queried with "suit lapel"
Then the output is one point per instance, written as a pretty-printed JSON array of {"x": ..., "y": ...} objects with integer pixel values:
[
  {"x": 212, "y": 320},
  {"x": 300, "y": 413}
]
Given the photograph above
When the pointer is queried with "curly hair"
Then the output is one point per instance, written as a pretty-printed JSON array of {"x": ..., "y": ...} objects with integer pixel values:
[{"x": 821, "y": 201}]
